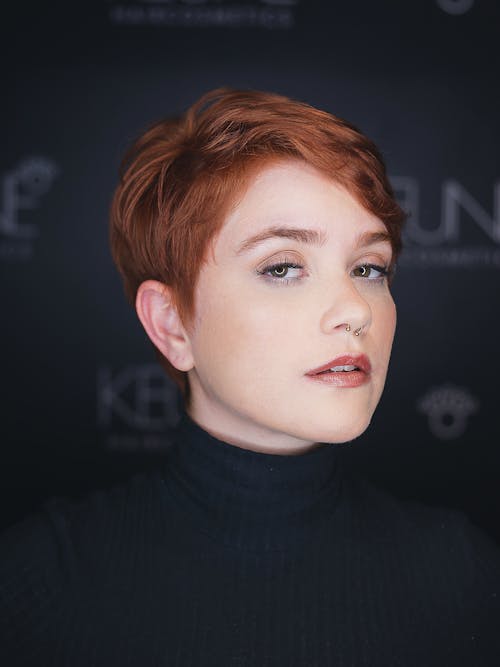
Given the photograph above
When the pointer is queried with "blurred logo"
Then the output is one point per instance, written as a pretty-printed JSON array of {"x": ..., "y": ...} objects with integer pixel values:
[
  {"x": 455, "y": 6},
  {"x": 443, "y": 245},
  {"x": 270, "y": 14},
  {"x": 135, "y": 405},
  {"x": 448, "y": 409},
  {"x": 22, "y": 190}
]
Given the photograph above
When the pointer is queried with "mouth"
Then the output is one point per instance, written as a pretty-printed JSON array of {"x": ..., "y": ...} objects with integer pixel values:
[
  {"x": 344, "y": 371},
  {"x": 344, "y": 364}
]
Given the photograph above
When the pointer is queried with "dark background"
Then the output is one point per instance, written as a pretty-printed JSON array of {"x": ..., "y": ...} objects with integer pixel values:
[{"x": 83, "y": 402}]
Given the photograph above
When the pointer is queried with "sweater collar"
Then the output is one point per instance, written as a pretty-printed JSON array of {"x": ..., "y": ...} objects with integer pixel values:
[{"x": 250, "y": 499}]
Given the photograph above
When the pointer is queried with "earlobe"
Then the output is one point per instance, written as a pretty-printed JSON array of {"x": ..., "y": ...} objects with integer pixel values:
[{"x": 158, "y": 314}]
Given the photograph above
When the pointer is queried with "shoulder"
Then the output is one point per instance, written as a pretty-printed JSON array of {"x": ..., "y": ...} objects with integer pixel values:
[
  {"x": 48, "y": 560},
  {"x": 438, "y": 536},
  {"x": 63, "y": 524}
]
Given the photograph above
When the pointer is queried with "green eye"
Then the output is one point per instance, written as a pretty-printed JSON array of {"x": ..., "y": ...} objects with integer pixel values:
[
  {"x": 370, "y": 271},
  {"x": 280, "y": 271}
]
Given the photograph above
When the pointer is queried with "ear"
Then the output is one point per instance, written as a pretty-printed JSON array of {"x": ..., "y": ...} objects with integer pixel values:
[{"x": 159, "y": 317}]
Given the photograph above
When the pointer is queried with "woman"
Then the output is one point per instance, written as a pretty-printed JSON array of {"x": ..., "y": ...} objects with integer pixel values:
[{"x": 257, "y": 237}]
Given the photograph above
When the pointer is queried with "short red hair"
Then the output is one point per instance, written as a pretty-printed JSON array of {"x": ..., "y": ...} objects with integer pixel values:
[{"x": 181, "y": 176}]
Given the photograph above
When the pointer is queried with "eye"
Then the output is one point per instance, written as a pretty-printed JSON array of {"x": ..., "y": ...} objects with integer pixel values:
[
  {"x": 282, "y": 272},
  {"x": 370, "y": 271}
]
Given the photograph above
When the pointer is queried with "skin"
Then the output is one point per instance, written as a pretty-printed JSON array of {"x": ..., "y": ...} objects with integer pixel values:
[{"x": 254, "y": 337}]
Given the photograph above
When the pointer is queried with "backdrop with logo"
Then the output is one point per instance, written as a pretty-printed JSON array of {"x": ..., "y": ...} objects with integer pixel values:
[{"x": 84, "y": 403}]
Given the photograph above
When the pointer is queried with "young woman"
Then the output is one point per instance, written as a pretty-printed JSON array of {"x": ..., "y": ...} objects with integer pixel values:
[{"x": 257, "y": 237}]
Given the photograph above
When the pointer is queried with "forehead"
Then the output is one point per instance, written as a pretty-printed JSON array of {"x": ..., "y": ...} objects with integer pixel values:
[{"x": 294, "y": 194}]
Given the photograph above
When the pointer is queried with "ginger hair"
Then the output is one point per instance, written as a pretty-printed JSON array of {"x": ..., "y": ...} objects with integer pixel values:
[{"x": 180, "y": 178}]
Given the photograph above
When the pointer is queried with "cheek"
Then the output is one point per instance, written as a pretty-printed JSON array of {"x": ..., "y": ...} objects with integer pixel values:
[
  {"x": 383, "y": 320},
  {"x": 387, "y": 321},
  {"x": 224, "y": 325},
  {"x": 239, "y": 332}
]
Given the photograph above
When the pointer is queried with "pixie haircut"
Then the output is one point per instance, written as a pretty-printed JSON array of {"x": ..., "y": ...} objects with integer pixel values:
[{"x": 181, "y": 178}]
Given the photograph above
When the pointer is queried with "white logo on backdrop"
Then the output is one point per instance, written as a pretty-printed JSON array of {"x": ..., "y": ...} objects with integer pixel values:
[
  {"x": 270, "y": 14},
  {"x": 448, "y": 409},
  {"x": 21, "y": 191},
  {"x": 455, "y": 7},
  {"x": 442, "y": 245},
  {"x": 135, "y": 405}
]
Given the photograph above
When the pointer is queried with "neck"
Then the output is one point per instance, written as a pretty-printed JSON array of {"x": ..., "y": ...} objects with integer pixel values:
[{"x": 250, "y": 498}]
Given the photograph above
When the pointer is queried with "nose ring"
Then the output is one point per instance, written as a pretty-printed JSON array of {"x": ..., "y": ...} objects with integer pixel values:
[{"x": 356, "y": 331}]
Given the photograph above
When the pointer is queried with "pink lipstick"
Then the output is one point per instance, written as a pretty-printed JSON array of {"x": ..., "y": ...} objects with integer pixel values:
[{"x": 348, "y": 370}]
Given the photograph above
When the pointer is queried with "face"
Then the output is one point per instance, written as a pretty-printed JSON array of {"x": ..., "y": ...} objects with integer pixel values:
[{"x": 295, "y": 285}]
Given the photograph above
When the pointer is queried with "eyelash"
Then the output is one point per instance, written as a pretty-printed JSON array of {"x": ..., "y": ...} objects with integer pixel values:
[{"x": 384, "y": 271}]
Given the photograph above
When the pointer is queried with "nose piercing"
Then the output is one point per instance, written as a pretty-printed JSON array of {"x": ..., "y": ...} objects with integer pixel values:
[{"x": 356, "y": 331}]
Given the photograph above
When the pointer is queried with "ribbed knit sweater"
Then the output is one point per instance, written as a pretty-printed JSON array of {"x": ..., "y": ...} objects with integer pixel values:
[{"x": 229, "y": 557}]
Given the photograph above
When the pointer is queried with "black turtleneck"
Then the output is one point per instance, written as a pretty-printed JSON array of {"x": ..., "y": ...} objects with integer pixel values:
[
  {"x": 229, "y": 557},
  {"x": 250, "y": 500}
]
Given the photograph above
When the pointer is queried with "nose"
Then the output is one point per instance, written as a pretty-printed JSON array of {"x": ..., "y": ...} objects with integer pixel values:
[{"x": 347, "y": 311}]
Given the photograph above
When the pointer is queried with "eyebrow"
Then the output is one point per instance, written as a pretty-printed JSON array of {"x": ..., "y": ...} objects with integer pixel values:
[
  {"x": 308, "y": 236},
  {"x": 372, "y": 238}
]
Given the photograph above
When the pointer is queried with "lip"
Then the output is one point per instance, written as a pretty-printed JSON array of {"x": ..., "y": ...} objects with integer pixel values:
[
  {"x": 359, "y": 360},
  {"x": 354, "y": 378}
]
